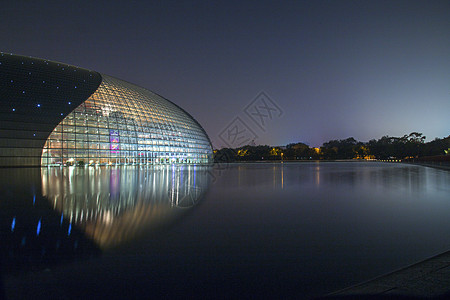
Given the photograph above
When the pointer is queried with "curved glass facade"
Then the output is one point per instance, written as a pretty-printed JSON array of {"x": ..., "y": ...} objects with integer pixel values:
[
  {"x": 121, "y": 123},
  {"x": 35, "y": 96}
]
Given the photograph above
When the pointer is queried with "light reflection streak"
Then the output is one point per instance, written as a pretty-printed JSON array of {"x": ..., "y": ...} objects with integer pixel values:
[
  {"x": 38, "y": 229},
  {"x": 317, "y": 173},
  {"x": 113, "y": 206}
]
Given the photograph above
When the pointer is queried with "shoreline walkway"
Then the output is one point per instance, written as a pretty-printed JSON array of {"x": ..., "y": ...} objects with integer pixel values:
[
  {"x": 427, "y": 279},
  {"x": 437, "y": 165}
]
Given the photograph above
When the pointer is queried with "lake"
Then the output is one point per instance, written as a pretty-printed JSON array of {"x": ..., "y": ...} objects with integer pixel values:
[{"x": 259, "y": 230}]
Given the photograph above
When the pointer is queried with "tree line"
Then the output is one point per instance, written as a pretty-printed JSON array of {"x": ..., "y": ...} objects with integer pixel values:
[{"x": 406, "y": 147}]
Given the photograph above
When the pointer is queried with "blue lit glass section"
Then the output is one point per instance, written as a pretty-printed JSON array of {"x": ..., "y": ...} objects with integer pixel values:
[
  {"x": 13, "y": 224},
  {"x": 38, "y": 229}
]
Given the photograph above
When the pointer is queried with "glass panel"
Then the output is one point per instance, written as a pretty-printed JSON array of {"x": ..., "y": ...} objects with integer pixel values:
[{"x": 122, "y": 123}]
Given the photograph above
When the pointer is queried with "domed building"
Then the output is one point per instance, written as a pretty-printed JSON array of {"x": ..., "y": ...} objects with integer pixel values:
[{"x": 54, "y": 114}]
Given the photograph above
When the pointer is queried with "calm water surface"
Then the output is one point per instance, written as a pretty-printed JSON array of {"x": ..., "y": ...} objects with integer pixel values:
[{"x": 240, "y": 230}]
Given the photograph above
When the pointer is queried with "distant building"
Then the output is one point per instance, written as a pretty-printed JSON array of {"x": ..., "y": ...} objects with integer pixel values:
[
  {"x": 56, "y": 114},
  {"x": 281, "y": 147}
]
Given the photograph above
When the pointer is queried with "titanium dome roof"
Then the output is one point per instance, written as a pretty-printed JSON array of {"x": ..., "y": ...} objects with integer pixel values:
[{"x": 56, "y": 114}]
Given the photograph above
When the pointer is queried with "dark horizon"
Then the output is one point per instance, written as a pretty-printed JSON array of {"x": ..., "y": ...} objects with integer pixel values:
[{"x": 333, "y": 70}]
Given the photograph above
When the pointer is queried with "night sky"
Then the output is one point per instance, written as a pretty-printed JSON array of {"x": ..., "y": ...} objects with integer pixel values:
[{"x": 331, "y": 69}]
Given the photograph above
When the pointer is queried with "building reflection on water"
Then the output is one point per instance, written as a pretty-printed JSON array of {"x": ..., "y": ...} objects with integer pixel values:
[
  {"x": 114, "y": 205},
  {"x": 50, "y": 216}
]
